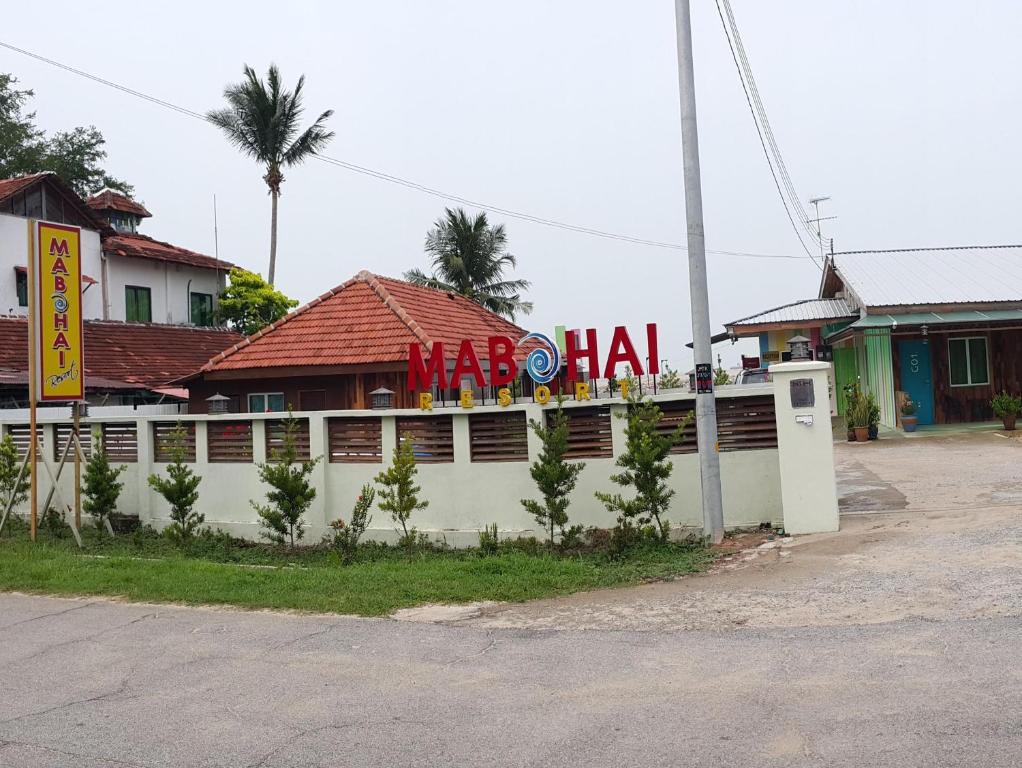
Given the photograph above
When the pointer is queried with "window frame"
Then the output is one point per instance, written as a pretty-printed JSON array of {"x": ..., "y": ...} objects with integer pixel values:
[
  {"x": 128, "y": 289},
  {"x": 266, "y": 402},
  {"x": 191, "y": 308},
  {"x": 968, "y": 361}
]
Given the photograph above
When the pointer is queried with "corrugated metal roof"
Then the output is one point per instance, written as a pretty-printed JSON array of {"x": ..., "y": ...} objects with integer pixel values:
[
  {"x": 800, "y": 311},
  {"x": 933, "y": 275},
  {"x": 938, "y": 318}
]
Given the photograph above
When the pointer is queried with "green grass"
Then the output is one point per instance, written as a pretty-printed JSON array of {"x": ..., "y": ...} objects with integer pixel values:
[{"x": 219, "y": 571}]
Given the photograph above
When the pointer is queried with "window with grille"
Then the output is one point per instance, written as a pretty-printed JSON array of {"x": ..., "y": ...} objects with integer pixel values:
[
  {"x": 355, "y": 441},
  {"x": 499, "y": 436},
  {"x": 229, "y": 441},
  {"x": 164, "y": 439},
  {"x": 120, "y": 442},
  {"x": 432, "y": 438}
]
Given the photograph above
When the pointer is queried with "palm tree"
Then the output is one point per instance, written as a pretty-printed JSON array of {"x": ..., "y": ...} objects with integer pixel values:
[
  {"x": 469, "y": 257},
  {"x": 261, "y": 119}
]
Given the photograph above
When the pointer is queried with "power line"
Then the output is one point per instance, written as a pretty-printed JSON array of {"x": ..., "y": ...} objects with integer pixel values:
[
  {"x": 382, "y": 176},
  {"x": 765, "y": 133}
]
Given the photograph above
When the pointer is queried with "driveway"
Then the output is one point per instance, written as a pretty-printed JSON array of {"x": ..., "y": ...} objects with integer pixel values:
[{"x": 892, "y": 643}]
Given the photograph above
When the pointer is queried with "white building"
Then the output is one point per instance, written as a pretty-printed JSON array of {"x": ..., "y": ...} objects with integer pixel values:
[{"x": 129, "y": 276}]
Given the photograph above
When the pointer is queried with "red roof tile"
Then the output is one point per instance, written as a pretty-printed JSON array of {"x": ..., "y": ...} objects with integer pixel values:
[
  {"x": 11, "y": 187},
  {"x": 369, "y": 319},
  {"x": 108, "y": 200},
  {"x": 137, "y": 353},
  {"x": 144, "y": 247}
]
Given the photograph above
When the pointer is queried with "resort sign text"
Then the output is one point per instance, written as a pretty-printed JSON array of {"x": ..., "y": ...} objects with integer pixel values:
[
  {"x": 57, "y": 294},
  {"x": 543, "y": 363}
]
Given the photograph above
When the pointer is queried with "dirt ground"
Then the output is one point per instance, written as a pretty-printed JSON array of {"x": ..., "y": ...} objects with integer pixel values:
[{"x": 931, "y": 529}]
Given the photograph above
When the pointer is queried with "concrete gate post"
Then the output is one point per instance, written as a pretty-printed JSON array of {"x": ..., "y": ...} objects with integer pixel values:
[{"x": 805, "y": 446}]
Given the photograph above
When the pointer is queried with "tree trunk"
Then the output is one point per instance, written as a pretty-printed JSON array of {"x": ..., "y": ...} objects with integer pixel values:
[{"x": 273, "y": 237}]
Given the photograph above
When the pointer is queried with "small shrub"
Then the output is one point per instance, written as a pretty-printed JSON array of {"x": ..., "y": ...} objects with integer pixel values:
[
  {"x": 721, "y": 378},
  {"x": 10, "y": 466},
  {"x": 669, "y": 379},
  {"x": 291, "y": 493},
  {"x": 1004, "y": 404},
  {"x": 400, "y": 494},
  {"x": 100, "y": 487},
  {"x": 489, "y": 540},
  {"x": 53, "y": 523},
  {"x": 181, "y": 490},
  {"x": 555, "y": 478},
  {"x": 347, "y": 535},
  {"x": 571, "y": 538}
]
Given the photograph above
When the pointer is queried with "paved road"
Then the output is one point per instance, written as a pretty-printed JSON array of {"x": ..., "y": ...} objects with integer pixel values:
[{"x": 894, "y": 643}]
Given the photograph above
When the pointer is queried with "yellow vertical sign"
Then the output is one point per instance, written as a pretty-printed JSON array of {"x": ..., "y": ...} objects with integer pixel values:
[{"x": 57, "y": 296}]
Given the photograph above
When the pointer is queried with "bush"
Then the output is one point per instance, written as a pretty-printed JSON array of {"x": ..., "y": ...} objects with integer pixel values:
[
  {"x": 181, "y": 490},
  {"x": 646, "y": 469},
  {"x": 555, "y": 478},
  {"x": 100, "y": 487},
  {"x": 10, "y": 466},
  {"x": 400, "y": 494},
  {"x": 669, "y": 379},
  {"x": 1006, "y": 405},
  {"x": 291, "y": 493},
  {"x": 489, "y": 540},
  {"x": 347, "y": 536}
]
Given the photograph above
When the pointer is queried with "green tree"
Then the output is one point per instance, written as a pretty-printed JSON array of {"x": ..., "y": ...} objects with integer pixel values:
[
  {"x": 669, "y": 379},
  {"x": 100, "y": 487},
  {"x": 76, "y": 155},
  {"x": 469, "y": 257},
  {"x": 646, "y": 469},
  {"x": 555, "y": 478},
  {"x": 10, "y": 466},
  {"x": 291, "y": 494},
  {"x": 721, "y": 377},
  {"x": 262, "y": 120},
  {"x": 400, "y": 494},
  {"x": 347, "y": 535},
  {"x": 250, "y": 303},
  {"x": 181, "y": 490}
]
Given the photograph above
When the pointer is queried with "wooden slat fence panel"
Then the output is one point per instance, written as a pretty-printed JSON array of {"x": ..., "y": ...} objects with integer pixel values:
[
  {"x": 275, "y": 438},
  {"x": 120, "y": 442},
  {"x": 355, "y": 441},
  {"x": 675, "y": 412},
  {"x": 746, "y": 423},
  {"x": 64, "y": 432},
  {"x": 20, "y": 435},
  {"x": 163, "y": 440},
  {"x": 229, "y": 441},
  {"x": 499, "y": 436},
  {"x": 432, "y": 438},
  {"x": 589, "y": 435}
]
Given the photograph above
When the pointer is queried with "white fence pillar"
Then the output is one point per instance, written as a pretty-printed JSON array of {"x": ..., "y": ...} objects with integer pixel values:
[
  {"x": 146, "y": 455},
  {"x": 805, "y": 446},
  {"x": 322, "y": 511}
]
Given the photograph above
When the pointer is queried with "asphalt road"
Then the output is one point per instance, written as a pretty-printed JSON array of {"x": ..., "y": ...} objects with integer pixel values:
[{"x": 90, "y": 684}]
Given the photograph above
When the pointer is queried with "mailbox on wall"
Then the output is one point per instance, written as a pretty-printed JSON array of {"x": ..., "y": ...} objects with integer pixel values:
[{"x": 802, "y": 393}]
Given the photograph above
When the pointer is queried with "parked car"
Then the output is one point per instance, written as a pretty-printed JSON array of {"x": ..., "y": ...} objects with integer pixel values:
[{"x": 753, "y": 376}]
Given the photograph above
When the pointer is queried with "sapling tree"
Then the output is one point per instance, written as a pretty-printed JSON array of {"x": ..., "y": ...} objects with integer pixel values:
[
  {"x": 399, "y": 494},
  {"x": 646, "y": 468},
  {"x": 10, "y": 466},
  {"x": 181, "y": 490},
  {"x": 347, "y": 535},
  {"x": 291, "y": 493},
  {"x": 555, "y": 478},
  {"x": 101, "y": 487}
]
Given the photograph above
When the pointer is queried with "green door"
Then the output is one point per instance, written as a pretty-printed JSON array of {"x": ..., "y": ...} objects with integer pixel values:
[{"x": 845, "y": 374}]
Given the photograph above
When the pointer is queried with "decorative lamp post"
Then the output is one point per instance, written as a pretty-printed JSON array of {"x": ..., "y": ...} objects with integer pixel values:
[
  {"x": 798, "y": 346},
  {"x": 218, "y": 404},
  {"x": 382, "y": 398}
]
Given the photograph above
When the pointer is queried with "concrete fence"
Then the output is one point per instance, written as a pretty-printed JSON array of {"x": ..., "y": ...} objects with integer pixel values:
[{"x": 473, "y": 464}]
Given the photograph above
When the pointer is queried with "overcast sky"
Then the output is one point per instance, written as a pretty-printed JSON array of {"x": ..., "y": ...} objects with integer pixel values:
[{"x": 906, "y": 114}]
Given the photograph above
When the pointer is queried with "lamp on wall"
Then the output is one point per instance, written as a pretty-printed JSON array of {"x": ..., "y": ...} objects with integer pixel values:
[
  {"x": 218, "y": 404},
  {"x": 925, "y": 332},
  {"x": 382, "y": 398},
  {"x": 798, "y": 347}
]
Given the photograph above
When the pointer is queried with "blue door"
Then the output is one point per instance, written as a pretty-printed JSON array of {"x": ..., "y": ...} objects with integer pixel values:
[{"x": 917, "y": 377}]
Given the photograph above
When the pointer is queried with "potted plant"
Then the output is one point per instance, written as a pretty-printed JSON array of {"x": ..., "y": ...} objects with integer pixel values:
[
  {"x": 874, "y": 416},
  {"x": 1007, "y": 408},
  {"x": 852, "y": 396},
  {"x": 909, "y": 420},
  {"x": 859, "y": 416}
]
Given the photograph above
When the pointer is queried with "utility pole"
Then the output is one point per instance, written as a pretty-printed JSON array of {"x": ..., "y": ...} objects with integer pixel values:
[
  {"x": 706, "y": 406},
  {"x": 815, "y": 202}
]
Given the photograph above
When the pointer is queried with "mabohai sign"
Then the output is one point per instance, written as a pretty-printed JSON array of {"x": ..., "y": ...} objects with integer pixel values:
[{"x": 57, "y": 292}]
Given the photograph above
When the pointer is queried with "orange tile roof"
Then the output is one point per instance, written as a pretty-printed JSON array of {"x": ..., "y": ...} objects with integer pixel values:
[
  {"x": 9, "y": 187},
  {"x": 145, "y": 247},
  {"x": 109, "y": 200},
  {"x": 368, "y": 319}
]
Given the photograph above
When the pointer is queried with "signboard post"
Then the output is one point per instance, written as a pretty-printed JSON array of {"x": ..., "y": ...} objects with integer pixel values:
[{"x": 55, "y": 334}]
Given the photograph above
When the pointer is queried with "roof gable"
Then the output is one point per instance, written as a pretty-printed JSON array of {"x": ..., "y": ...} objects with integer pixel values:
[
  {"x": 110, "y": 200},
  {"x": 368, "y": 319},
  {"x": 70, "y": 208},
  {"x": 805, "y": 311},
  {"x": 139, "y": 246}
]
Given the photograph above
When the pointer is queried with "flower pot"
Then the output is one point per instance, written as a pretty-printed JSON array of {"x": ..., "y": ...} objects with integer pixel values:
[
  {"x": 851, "y": 434},
  {"x": 874, "y": 431},
  {"x": 1008, "y": 420},
  {"x": 909, "y": 423},
  {"x": 861, "y": 434}
]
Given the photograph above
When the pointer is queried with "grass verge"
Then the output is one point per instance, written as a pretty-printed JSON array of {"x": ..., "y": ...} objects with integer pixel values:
[{"x": 385, "y": 579}]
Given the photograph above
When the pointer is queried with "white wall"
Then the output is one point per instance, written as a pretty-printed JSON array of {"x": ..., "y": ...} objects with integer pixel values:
[
  {"x": 14, "y": 252},
  {"x": 464, "y": 496},
  {"x": 170, "y": 284}
]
